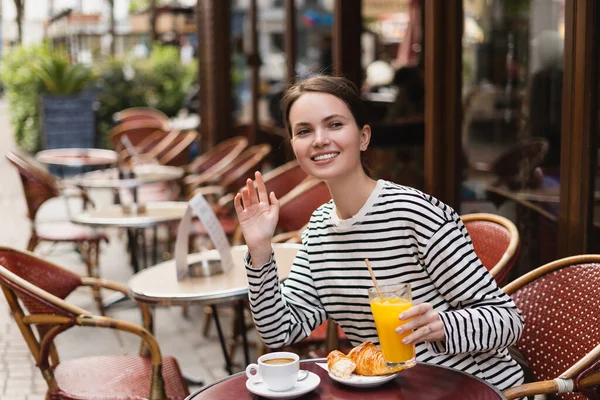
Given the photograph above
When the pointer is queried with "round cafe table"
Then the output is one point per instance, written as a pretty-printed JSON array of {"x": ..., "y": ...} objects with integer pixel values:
[
  {"x": 144, "y": 175},
  {"x": 422, "y": 382},
  {"x": 77, "y": 157},
  {"x": 82, "y": 158},
  {"x": 158, "y": 285},
  {"x": 156, "y": 213}
]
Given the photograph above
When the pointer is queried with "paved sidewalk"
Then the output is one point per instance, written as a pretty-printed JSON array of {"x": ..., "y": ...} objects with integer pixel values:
[{"x": 177, "y": 335}]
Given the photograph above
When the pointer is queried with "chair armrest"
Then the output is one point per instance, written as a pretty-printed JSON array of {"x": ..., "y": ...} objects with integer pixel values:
[
  {"x": 529, "y": 389},
  {"x": 112, "y": 323},
  {"x": 209, "y": 190},
  {"x": 147, "y": 320},
  {"x": 226, "y": 201}
]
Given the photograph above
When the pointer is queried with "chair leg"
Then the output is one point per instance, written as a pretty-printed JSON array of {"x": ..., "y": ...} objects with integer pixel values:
[
  {"x": 33, "y": 242},
  {"x": 207, "y": 321},
  {"x": 92, "y": 258}
]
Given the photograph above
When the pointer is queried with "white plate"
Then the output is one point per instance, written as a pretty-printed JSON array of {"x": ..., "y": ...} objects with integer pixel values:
[
  {"x": 360, "y": 380},
  {"x": 364, "y": 381},
  {"x": 302, "y": 387}
]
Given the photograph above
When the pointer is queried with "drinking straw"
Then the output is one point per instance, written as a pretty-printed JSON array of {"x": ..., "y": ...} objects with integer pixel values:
[{"x": 373, "y": 277}]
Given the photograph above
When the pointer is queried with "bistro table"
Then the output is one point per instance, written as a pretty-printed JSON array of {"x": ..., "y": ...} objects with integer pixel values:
[
  {"x": 158, "y": 285},
  {"x": 154, "y": 214},
  {"x": 77, "y": 157},
  {"x": 423, "y": 381},
  {"x": 144, "y": 175}
]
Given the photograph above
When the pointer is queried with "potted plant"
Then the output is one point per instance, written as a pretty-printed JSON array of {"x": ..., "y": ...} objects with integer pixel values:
[{"x": 67, "y": 109}]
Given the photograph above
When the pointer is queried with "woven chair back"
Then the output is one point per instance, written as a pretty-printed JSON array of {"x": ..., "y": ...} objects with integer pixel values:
[
  {"x": 242, "y": 168},
  {"x": 44, "y": 275},
  {"x": 284, "y": 179},
  {"x": 496, "y": 242},
  {"x": 38, "y": 185},
  {"x": 297, "y": 206},
  {"x": 140, "y": 114},
  {"x": 136, "y": 132},
  {"x": 176, "y": 152},
  {"x": 562, "y": 319},
  {"x": 219, "y": 156}
]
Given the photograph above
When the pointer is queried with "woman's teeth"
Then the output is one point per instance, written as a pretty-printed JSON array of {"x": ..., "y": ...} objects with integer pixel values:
[{"x": 325, "y": 156}]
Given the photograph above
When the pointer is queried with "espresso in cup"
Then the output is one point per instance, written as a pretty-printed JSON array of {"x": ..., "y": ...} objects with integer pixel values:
[
  {"x": 278, "y": 371},
  {"x": 275, "y": 361}
]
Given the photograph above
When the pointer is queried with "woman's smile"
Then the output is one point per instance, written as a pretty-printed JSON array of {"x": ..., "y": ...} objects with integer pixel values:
[{"x": 320, "y": 158}]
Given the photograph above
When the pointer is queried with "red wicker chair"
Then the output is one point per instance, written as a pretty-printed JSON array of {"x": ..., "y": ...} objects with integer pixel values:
[
  {"x": 140, "y": 114},
  {"x": 216, "y": 159},
  {"x": 496, "y": 242},
  {"x": 38, "y": 187},
  {"x": 35, "y": 290},
  {"x": 561, "y": 340},
  {"x": 233, "y": 176},
  {"x": 137, "y": 132}
]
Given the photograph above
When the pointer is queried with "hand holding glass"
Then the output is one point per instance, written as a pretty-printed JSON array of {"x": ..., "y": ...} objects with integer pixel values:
[{"x": 387, "y": 304}]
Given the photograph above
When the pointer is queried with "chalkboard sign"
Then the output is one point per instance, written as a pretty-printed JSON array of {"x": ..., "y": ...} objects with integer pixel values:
[{"x": 69, "y": 121}]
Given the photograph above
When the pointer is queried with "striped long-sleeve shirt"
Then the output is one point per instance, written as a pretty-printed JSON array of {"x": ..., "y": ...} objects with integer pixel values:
[{"x": 409, "y": 237}]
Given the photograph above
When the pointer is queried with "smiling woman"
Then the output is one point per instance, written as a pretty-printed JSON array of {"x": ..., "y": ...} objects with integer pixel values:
[{"x": 460, "y": 318}]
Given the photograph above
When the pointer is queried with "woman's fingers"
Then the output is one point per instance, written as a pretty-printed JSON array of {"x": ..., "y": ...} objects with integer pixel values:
[
  {"x": 261, "y": 188},
  {"x": 237, "y": 203},
  {"x": 251, "y": 190},
  {"x": 246, "y": 201},
  {"x": 429, "y": 332},
  {"x": 274, "y": 203},
  {"x": 417, "y": 310},
  {"x": 423, "y": 322}
]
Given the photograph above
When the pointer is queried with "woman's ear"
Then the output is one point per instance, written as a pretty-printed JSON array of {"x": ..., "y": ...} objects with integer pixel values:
[{"x": 365, "y": 137}]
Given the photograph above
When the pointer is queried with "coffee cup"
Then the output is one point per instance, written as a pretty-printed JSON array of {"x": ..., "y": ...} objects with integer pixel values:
[{"x": 278, "y": 371}]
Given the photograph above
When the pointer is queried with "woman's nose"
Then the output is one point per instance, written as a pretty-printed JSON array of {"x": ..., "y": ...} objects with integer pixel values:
[{"x": 321, "y": 138}]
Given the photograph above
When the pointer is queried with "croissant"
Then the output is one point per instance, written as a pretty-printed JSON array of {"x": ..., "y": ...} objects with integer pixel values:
[
  {"x": 369, "y": 360},
  {"x": 340, "y": 364}
]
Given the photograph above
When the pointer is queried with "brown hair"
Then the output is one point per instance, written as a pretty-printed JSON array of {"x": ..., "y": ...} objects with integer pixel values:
[{"x": 337, "y": 86}]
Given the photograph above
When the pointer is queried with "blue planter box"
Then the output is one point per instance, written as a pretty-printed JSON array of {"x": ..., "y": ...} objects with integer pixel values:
[{"x": 69, "y": 121}]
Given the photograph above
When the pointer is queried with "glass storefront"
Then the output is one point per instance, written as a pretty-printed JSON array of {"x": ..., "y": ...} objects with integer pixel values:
[{"x": 512, "y": 103}]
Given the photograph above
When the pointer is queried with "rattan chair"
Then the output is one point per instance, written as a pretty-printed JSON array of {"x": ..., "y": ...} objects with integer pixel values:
[
  {"x": 561, "y": 338},
  {"x": 140, "y": 114},
  {"x": 35, "y": 290},
  {"x": 39, "y": 186},
  {"x": 496, "y": 242},
  {"x": 136, "y": 131},
  {"x": 297, "y": 206},
  {"x": 233, "y": 176},
  {"x": 217, "y": 158}
]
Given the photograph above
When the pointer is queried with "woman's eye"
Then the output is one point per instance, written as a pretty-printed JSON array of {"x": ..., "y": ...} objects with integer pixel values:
[
  {"x": 302, "y": 132},
  {"x": 336, "y": 124}
]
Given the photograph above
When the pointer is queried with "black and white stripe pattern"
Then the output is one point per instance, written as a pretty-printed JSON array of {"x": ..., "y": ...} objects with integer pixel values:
[{"x": 410, "y": 237}]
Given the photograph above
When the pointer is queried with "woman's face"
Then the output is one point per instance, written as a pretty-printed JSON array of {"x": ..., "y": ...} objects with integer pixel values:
[{"x": 325, "y": 138}]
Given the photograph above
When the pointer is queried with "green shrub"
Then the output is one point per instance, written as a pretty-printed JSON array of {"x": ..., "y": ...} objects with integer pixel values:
[
  {"x": 24, "y": 88},
  {"x": 165, "y": 79},
  {"x": 115, "y": 92}
]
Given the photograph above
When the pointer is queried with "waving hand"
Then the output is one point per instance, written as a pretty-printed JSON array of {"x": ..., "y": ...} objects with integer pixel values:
[{"x": 258, "y": 213}]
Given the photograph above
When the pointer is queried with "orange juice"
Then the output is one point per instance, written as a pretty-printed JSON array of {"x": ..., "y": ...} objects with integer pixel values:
[{"x": 385, "y": 313}]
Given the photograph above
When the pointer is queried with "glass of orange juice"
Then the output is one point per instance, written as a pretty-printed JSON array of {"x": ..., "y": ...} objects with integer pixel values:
[{"x": 387, "y": 304}]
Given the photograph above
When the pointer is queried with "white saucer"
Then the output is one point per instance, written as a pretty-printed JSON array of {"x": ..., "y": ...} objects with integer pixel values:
[
  {"x": 364, "y": 381},
  {"x": 302, "y": 387}
]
